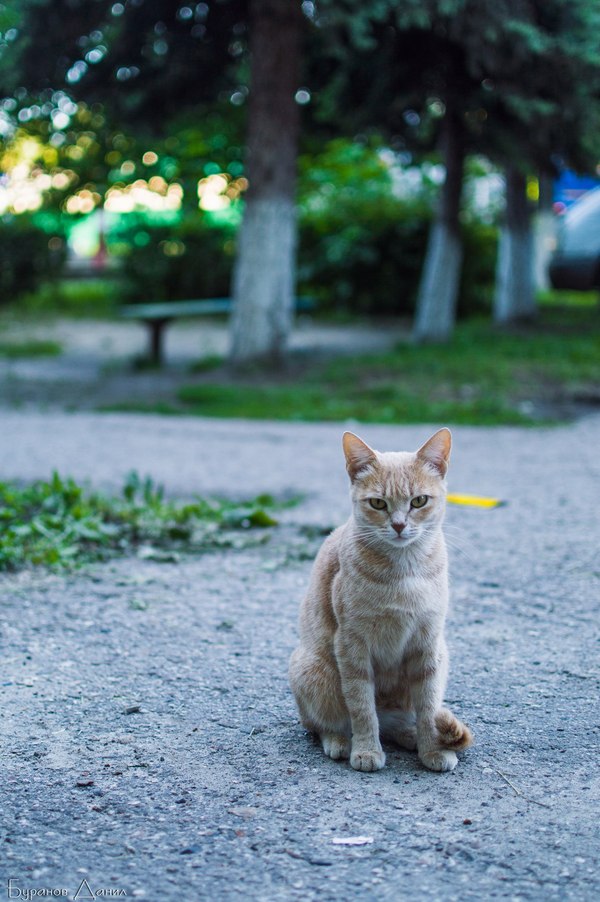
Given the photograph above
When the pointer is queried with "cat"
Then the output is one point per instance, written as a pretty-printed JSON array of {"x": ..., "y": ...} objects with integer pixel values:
[{"x": 372, "y": 659}]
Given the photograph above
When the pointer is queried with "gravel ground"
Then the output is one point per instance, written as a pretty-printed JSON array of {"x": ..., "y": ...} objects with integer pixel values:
[{"x": 150, "y": 743}]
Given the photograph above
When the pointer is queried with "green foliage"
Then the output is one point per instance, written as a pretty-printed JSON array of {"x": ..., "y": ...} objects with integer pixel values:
[
  {"x": 190, "y": 259},
  {"x": 485, "y": 376},
  {"x": 362, "y": 246},
  {"x": 26, "y": 259},
  {"x": 73, "y": 297},
  {"x": 59, "y": 524},
  {"x": 480, "y": 243},
  {"x": 168, "y": 61},
  {"x": 522, "y": 77}
]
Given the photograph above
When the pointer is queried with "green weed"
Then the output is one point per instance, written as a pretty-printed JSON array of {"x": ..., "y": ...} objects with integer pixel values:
[{"x": 58, "y": 524}]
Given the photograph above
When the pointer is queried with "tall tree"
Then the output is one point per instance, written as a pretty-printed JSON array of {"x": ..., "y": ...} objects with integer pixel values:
[
  {"x": 147, "y": 63},
  {"x": 438, "y": 291},
  {"x": 264, "y": 276},
  {"x": 542, "y": 121},
  {"x": 410, "y": 59},
  {"x": 515, "y": 297},
  {"x": 518, "y": 81}
]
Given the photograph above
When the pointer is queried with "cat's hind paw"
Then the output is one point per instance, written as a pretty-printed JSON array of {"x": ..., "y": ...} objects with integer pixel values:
[
  {"x": 398, "y": 727},
  {"x": 439, "y": 761},
  {"x": 335, "y": 746},
  {"x": 367, "y": 760},
  {"x": 406, "y": 739}
]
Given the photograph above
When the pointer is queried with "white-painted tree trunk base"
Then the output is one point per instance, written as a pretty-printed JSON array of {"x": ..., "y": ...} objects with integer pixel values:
[
  {"x": 544, "y": 241},
  {"x": 263, "y": 286},
  {"x": 438, "y": 292},
  {"x": 515, "y": 297}
]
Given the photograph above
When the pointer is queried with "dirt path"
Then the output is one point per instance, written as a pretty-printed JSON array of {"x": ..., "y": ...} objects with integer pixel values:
[{"x": 95, "y": 368}]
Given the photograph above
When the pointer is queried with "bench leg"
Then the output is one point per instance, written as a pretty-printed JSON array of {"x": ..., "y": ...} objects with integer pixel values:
[{"x": 157, "y": 327}]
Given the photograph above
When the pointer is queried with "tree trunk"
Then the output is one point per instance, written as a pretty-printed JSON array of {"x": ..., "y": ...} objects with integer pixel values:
[
  {"x": 264, "y": 273},
  {"x": 515, "y": 297},
  {"x": 544, "y": 234},
  {"x": 438, "y": 291}
]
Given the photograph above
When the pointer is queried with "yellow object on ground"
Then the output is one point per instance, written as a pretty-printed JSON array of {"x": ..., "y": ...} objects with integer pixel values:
[{"x": 474, "y": 500}]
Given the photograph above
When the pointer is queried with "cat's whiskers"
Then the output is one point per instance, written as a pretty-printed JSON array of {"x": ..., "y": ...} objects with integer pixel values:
[
  {"x": 370, "y": 538},
  {"x": 383, "y": 541},
  {"x": 454, "y": 527},
  {"x": 453, "y": 545},
  {"x": 455, "y": 530}
]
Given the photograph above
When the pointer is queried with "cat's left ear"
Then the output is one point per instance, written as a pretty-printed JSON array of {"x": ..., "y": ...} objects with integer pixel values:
[
  {"x": 358, "y": 454},
  {"x": 436, "y": 450}
]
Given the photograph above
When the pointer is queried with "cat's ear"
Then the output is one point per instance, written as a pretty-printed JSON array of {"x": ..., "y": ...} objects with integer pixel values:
[
  {"x": 436, "y": 450},
  {"x": 358, "y": 454}
]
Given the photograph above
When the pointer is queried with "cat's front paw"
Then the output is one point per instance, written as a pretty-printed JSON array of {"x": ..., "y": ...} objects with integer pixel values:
[
  {"x": 336, "y": 747},
  {"x": 367, "y": 760},
  {"x": 439, "y": 760}
]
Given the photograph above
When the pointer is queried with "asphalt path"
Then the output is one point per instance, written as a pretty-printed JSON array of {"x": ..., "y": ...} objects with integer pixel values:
[{"x": 150, "y": 744}]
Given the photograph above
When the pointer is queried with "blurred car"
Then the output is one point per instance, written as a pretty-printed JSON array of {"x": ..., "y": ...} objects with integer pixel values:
[{"x": 576, "y": 262}]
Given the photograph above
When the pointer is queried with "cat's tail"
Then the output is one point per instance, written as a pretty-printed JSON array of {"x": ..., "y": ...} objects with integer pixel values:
[{"x": 452, "y": 733}]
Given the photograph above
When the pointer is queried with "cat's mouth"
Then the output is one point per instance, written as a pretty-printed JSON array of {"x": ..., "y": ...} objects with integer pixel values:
[{"x": 402, "y": 539}]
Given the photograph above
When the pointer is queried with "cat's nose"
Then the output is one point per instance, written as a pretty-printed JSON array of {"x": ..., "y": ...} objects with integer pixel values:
[{"x": 398, "y": 527}]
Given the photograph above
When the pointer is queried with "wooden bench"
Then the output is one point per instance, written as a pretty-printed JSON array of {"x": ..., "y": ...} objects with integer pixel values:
[{"x": 157, "y": 316}]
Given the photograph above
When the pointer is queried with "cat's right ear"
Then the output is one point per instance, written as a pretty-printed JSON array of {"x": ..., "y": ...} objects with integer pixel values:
[
  {"x": 436, "y": 450},
  {"x": 358, "y": 454}
]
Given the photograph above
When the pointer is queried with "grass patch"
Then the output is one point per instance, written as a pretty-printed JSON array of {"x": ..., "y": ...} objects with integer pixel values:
[
  {"x": 15, "y": 349},
  {"x": 552, "y": 298},
  {"x": 485, "y": 376},
  {"x": 163, "y": 408},
  {"x": 207, "y": 364},
  {"x": 58, "y": 524},
  {"x": 382, "y": 403}
]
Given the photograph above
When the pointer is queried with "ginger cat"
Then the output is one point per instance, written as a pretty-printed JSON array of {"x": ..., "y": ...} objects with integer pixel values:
[{"x": 372, "y": 660}]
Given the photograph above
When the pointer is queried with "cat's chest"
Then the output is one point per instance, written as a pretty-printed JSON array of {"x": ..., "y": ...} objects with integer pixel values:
[
  {"x": 401, "y": 595},
  {"x": 390, "y": 633},
  {"x": 389, "y": 610}
]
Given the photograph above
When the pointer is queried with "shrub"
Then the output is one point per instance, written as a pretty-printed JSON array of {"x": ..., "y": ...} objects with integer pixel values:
[
  {"x": 367, "y": 264},
  {"x": 362, "y": 247},
  {"x": 363, "y": 259},
  {"x": 480, "y": 241},
  {"x": 189, "y": 259},
  {"x": 28, "y": 257}
]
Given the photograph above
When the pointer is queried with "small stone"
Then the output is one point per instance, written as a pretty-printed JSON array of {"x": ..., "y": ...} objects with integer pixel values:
[
  {"x": 244, "y": 812},
  {"x": 351, "y": 840}
]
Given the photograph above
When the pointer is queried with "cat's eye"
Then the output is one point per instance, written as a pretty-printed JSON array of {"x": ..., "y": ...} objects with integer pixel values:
[
  {"x": 378, "y": 503},
  {"x": 419, "y": 501}
]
